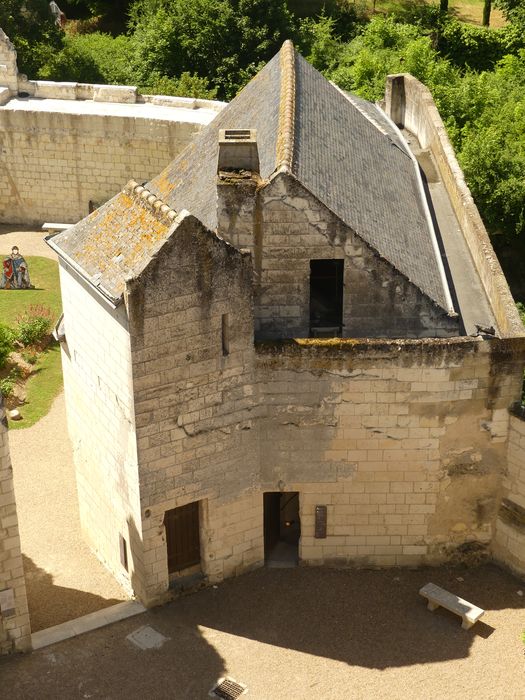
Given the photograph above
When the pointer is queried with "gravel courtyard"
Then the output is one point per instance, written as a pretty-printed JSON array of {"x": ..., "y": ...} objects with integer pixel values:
[
  {"x": 299, "y": 634},
  {"x": 64, "y": 578}
]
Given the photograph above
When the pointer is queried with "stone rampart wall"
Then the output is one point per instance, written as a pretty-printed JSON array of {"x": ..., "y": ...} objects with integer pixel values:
[
  {"x": 53, "y": 164},
  {"x": 509, "y": 542},
  {"x": 409, "y": 103},
  {"x": 15, "y": 633}
]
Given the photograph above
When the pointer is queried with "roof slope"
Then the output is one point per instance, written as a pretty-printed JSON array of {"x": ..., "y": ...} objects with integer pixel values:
[
  {"x": 341, "y": 148},
  {"x": 118, "y": 239},
  {"x": 351, "y": 158}
]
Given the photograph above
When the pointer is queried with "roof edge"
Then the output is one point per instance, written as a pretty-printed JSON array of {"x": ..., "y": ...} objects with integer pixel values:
[
  {"x": 155, "y": 205},
  {"x": 285, "y": 136}
]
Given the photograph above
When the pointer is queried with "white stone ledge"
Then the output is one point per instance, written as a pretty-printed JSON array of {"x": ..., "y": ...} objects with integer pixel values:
[{"x": 87, "y": 623}]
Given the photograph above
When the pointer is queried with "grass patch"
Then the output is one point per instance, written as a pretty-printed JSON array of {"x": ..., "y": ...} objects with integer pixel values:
[
  {"x": 44, "y": 276},
  {"x": 42, "y": 387},
  {"x": 46, "y": 381}
]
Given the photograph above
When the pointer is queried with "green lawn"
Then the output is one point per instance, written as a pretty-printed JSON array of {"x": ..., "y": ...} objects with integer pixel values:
[
  {"x": 42, "y": 387},
  {"x": 44, "y": 276},
  {"x": 46, "y": 381}
]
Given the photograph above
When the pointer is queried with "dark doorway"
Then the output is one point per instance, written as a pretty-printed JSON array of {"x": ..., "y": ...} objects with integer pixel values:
[
  {"x": 326, "y": 298},
  {"x": 282, "y": 529},
  {"x": 182, "y": 537}
]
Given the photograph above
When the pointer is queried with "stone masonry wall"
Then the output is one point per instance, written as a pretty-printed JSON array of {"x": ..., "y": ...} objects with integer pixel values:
[
  {"x": 15, "y": 632},
  {"x": 194, "y": 405},
  {"x": 509, "y": 541},
  {"x": 288, "y": 228},
  {"x": 96, "y": 363},
  {"x": 404, "y": 442},
  {"x": 53, "y": 164}
]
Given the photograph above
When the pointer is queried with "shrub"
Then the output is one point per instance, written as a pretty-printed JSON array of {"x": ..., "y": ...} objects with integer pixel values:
[
  {"x": 33, "y": 325},
  {"x": 7, "y": 386},
  {"x": 6, "y": 343}
]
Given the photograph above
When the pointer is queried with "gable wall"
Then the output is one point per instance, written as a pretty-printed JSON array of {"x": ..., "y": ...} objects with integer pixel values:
[
  {"x": 286, "y": 228},
  {"x": 195, "y": 408},
  {"x": 96, "y": 363},
  {"x": 15, "y": 633}
]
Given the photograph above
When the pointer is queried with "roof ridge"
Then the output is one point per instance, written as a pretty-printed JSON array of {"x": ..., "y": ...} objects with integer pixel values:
[
  {"x": 285, "y": 136},
  {"x": 155, "y": 205}
]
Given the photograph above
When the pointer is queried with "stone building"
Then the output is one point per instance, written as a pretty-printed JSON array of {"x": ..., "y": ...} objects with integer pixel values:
[{"x": 295, "y": 344}]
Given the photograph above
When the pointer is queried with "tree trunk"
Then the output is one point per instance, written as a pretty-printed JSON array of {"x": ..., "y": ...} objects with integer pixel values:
[
  {"x": 443, "y": 6},
  {"x": 487, "y": 6}
]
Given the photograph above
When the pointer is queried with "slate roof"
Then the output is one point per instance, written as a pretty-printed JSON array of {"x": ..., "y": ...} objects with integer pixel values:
[{"x": 341, "y": 148}]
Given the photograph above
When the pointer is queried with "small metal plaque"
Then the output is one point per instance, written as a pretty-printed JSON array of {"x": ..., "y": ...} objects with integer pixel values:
[{"x": 320, "y": 522}]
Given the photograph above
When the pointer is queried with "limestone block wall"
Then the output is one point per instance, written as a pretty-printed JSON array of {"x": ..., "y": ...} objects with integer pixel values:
[
  {"x": 15, "y": 632},
  {"x": 195, "y": 405},
  {"x": 96, "y": 361},
  {"x": 53, "y": 163},
  {"x": 509, "y": 541},
  {"x": 403, "y": 441},
  {"x": 409, "y": 103},
  {"x": 292, "y": 228}
]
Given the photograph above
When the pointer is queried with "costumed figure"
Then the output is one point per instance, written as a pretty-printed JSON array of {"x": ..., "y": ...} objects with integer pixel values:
[{"x": 15, "y": 273}]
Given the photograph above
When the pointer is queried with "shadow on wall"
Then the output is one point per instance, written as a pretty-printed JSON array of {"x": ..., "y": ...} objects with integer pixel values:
[
  {"x": 374, "y": 619},
  {"x": 51, "y": 605}
]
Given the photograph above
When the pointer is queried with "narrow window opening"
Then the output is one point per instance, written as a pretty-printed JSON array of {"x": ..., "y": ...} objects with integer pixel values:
[
  {"x": 326, "y": 298},
  {"x": 182, "y": 537},
  {"x": 226, "y": 334},
  {"x": 123, "y": 552}
]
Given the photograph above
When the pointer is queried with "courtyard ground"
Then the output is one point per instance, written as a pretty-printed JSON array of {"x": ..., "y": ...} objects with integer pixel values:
[
  {"x": 64, "y": 578},
  {"x": 299, "y": 634}
]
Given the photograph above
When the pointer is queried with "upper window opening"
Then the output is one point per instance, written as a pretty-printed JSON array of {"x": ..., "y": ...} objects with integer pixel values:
[{"x": 326, "y": 298}]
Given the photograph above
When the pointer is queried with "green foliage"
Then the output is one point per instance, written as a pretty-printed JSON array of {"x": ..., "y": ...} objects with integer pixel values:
[
  {"x": 31, "y": 27},
  {"x": 225, "y": 40},
  {"x": 6, "y": 343},
  {"x": 521, "y": 309},
  {"x": 33, "y": 326},
  {"x": 7, "y": 386},
  {"x": 91, "y": 58},
  {"x": 186, "y": 85}
]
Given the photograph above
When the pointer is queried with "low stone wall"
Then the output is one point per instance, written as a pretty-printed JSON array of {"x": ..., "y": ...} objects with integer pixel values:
[
  {"x": 15, "y": 633},
  {"x": 509, "y": 541},
  {"x": 409, "y": 104}
]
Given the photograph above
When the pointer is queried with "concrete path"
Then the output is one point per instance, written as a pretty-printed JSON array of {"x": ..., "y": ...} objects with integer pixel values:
[
  {"x": 64, "y": 578},
  {"x": 29, "y": 241},
  {"x": 298, "y": 634}
]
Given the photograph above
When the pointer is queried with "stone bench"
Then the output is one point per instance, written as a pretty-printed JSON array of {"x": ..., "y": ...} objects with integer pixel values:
[
  {"x": 55, "y": 228},
  {"x": 439, "y": 597}
]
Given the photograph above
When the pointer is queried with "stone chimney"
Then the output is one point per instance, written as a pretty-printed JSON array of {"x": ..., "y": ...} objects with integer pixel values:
[
  {"x": 237, "y": 180},
  {"x": 8, "y": 65}
]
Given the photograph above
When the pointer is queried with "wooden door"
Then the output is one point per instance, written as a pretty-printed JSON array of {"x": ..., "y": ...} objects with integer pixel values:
[{"x": 182, "y": 537}]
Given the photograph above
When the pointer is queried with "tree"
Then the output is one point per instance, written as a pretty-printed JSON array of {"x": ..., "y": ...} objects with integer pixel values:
[
  {"x": 226, "y": 41},
  {"x": 487, "y": 7},
  {"x": 31, "y": 27}
]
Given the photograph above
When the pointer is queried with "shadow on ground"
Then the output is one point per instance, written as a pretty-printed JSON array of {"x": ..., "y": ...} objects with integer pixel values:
[
  {"x": 375, "y": 619},
  {"x": 51, "y": 605}
]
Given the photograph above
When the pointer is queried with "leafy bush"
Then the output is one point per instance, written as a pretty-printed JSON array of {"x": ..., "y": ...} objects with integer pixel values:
[
  {"x": 7, "y": 386},
  {"x": 6, "y": 343},
  {"x": 185, "y": 86},
  {"x": 33, "y": 325}
]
